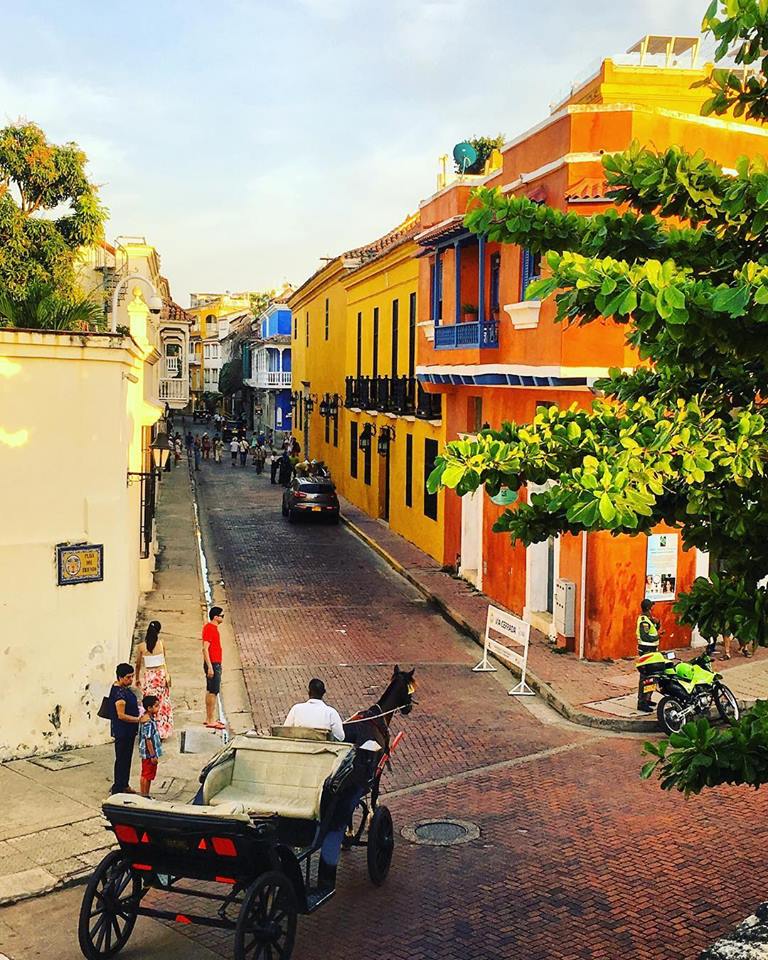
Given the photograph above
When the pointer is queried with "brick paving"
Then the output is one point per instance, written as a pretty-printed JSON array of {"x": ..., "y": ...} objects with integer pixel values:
[{"x": 576, "y": 856}]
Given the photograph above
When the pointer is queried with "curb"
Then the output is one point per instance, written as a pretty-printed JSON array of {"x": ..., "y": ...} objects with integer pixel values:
[{"x": 541, "y": 687}]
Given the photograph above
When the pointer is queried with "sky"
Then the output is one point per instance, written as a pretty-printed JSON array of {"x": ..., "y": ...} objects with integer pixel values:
[{"x": 247, "y": 139}]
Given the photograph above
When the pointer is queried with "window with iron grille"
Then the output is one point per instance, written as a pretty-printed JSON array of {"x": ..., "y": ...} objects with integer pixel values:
[
  {"x": 327, "y": 429},
  {"x": 412, "y": 336},
  {"x": 495, "y": 283},
  {"x": 353, "y": 449},
  {"x": 395, "y": 334},
  {"x": 367, "y": 462},
  {"x": 295, "y": 328},
  {"x": 430, "y": 499},
  {"x": 307, "y": 343},
  {"x": 336, "y": 430},
  {"x": 409, "y": 470},
  {"x": 530, "y": 270},
  {"x": 327, "y": 321},
  {"x": 436, "y": 287},
  {"x": 375, "y": 372},
  {"x": 359, "y": 345}
]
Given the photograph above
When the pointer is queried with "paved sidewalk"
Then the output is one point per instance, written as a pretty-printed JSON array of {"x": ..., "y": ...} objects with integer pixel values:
[
  {"x": 51, "y": 831},
  {"x": 599, "y": 695}
]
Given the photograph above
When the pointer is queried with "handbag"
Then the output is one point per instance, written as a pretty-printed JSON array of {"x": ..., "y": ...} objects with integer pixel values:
[{"x": 105, "y": 710}]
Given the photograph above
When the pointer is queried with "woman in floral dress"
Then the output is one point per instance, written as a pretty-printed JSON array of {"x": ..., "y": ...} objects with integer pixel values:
[{"x": 153, "y": 677}]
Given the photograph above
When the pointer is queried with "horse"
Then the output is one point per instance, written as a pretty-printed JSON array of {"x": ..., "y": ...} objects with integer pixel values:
[{"x": 373, "y": 723}]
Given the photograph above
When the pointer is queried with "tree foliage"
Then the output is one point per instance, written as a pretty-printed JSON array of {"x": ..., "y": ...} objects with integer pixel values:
[
  {"x": 231, "y": 377},
  {"x": 48, "y": 209},
  {"x": 43, "y": 308},
  {"x": 683, "y": 438},
  {"x": 260, "y": 301},
  {"x": 484, "y": 146}
]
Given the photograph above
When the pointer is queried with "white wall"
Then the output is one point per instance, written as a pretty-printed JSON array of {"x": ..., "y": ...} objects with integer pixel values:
[{"x": 70, "y": 425}]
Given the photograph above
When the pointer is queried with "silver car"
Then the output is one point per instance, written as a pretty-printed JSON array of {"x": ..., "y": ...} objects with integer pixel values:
[{"x": 311, "y": 495}]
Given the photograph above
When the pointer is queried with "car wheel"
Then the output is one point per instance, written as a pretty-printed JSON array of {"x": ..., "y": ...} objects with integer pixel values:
[
  {"x": 334, "y": 518},
  {"x": 291, "y": 516},
  {"x": 284, "y": 509}
]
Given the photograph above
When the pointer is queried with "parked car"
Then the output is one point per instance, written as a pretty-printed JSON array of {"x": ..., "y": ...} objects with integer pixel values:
[{"x": 311, "y": 495}]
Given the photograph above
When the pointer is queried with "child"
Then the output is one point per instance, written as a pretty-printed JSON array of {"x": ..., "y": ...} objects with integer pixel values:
[{"x": 149, "y": 743}]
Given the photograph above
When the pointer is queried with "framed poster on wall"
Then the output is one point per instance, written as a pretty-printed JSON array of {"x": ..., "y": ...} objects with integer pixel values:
[{"x": 661, "y": 567}]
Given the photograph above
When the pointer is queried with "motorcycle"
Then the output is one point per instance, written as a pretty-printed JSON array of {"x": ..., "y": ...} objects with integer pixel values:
[{"x": 689, "y": 689}]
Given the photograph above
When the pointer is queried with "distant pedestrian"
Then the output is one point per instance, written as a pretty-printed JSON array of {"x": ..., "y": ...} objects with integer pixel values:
[
  {"x": 197, "y": 449},
  {"x": 190, "y": 441},
  {"x": 244, "y": 448},
  {"x": 206, "y": 447},
  {"x": 177, "y": 448},
  {"x": 150, "y": 749},
  {"x": 234, "y": 449},
  {"x": 212, "y": 666},
  {"x": 218, "y": 446},
  {"x": 285, "y": 469},
  {"x": 226, "y": 434},
  {"x": 154, "y": 678},
  {"x": 274, "y": 466},
  {"x": 124, "y": 722},
  {"x": 258, "y": 458}
]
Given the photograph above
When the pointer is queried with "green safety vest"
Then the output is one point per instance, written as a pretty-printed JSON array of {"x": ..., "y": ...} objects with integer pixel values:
[{"x": 651, "y": 641}]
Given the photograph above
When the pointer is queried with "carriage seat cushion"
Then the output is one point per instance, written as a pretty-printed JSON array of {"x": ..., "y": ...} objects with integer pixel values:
[
  {"x": 133, "y": 801},
  {"x": 282, "y": 777}
]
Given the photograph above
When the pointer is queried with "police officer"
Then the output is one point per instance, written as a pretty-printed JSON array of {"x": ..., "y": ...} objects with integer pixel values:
[{"x": 647, "y": 642}]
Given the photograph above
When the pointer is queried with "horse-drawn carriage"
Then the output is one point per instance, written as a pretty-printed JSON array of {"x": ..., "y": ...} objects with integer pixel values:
[{"x": 254, "y": 834}]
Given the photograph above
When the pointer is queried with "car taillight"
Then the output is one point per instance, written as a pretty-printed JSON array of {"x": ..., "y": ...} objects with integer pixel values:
[
  {"x": 125, "y": 833},
  {"x": 224, "y": 846},
  {"x": 300, "y": 496}
]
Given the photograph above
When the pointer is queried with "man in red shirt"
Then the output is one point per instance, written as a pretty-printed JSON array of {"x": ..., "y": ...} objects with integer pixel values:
[{"x": 212, "y": 666}]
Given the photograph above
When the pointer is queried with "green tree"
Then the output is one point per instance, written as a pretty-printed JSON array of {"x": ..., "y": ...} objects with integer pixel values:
[
  {"x": 43, "y": 308},
  {"x": 48, "y": 210},
  {"x": 484, "y": 147},
  {"x": 231, "y": 377},
  {"x": 260, "y": 301},
  {"x": 683, "y": 440},
  {"x": 211, "y": 400}
]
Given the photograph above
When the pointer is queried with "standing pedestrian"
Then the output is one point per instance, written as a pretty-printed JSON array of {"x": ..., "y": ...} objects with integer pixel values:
[
  {"x": 259, "y": 458},
  {"x": 274, "y": 466},
  {"x": 154, "y": 678},
  {"x": 206, "y": 447},
  {"x": 647, "y": 642},
  {"x": 244, "y": 448},
  {"x": 234, "y": 449},
  {"x": 190, "y": 442},
  {"x": 285, "y": 469},
  {"x": 197, "y": 450},
  {"x": 150, "y": 749},
  {"x": 177, "y": 448},
  {"x": 217, "y": 448},
  {"x": 124, "y": 724},
  {"x": 212, "y": 666}
]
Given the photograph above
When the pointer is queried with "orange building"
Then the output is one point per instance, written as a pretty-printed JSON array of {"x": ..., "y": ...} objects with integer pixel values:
[{"x": 495, "y": 357}]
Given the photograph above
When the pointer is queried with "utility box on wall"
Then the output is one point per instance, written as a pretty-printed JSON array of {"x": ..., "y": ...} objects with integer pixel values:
[{"x": 565, "y": 608}]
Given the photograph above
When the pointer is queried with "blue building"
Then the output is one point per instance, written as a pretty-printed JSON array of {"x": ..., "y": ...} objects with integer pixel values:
[{"x": 267, "y": 368}]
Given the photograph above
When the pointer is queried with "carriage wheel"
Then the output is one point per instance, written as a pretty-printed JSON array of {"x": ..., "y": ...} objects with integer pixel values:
[
  {"x": 381, "y": 844},
  {"x": 266, "y": 924},
  {"x": 109, "y": 908}
]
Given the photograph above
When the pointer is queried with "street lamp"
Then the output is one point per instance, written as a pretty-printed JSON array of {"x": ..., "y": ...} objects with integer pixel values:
[
  {"x": 309, "y": 402},
  {"x": 386, "y": 436},
  {"x": 325, "y": 407},
  {"x": 155, "y": 300},
  {"x": 160, "y": 449},
  {"x": 365, "y": 437},
  {"x": 333, "y": 406}
]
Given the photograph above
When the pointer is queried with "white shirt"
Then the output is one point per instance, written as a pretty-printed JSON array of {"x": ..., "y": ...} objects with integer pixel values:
[
  {"x": 316, "y": 715},
  {"x": 234, "y": 446}
]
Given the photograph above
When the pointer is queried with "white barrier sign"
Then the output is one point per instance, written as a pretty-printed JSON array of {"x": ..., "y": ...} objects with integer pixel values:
[{"x": 512, "y": 629}]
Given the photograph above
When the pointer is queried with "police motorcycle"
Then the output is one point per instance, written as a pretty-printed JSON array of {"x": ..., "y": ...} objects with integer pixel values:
[{"x": 688, "y": 689}]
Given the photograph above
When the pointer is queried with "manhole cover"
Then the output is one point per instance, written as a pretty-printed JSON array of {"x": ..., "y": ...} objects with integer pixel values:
[{"x": 441, "y": 833}]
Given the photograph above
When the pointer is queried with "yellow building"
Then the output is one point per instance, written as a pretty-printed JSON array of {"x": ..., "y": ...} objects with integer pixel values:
[
  {"x": 358, "y": 406},
  {"x": 211, "y": 313}
]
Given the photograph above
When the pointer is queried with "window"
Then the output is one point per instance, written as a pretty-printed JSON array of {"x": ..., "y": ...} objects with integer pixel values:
[
  {"x": 430, "y": 499},
  {"x": 295, "y": 328},
  {"x": 327, "y": 428},
  {"x": 495, "y": 278},
  {"x": 326, "y": 318},
  {"x": 375, "y": 372},
  {"x": 307, "y": 331},
  {"x": 300, "y": 408},
  {"x": 409, "y": 470},
  {"x": 436, "y": 286},
  {"x": 367, "y": 460},
  {"x": 395, "y": 333},
  {"x": 353, "y": 449},
  {"x": 336, "y": 430},
  {"x": 412, "y": 336},
  {"x": 475, "y": 414},
  {"x": 359, "y": 345},
  {"x": 530, "y": 270}
]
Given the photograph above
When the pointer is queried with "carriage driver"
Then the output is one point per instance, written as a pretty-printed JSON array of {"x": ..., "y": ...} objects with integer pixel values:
[{"x": 316, "y": 714}]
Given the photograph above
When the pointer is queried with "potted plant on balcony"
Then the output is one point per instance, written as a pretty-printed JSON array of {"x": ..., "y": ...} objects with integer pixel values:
[{"x": 468, "y": 312}]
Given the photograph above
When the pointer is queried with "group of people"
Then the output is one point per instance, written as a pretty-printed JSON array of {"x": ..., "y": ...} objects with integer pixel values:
[{"x": 140, "y": 702}]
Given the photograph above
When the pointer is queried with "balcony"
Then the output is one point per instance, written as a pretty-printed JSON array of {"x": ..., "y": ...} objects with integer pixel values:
[
  {"x": 175, "y": 389},
  {"x": 398, "y": 395},
  {"x": 467, "y": 336},
  {"x": 272, "y": 379}
]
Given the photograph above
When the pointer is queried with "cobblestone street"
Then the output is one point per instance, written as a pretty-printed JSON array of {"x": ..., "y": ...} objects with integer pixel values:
[{"x": 576, "y": 856}]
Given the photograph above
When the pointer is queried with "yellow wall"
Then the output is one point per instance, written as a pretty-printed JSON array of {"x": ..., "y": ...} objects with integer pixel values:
[
  {"x": 72, "y": 408},
  {"x": 322, "y": 368}
]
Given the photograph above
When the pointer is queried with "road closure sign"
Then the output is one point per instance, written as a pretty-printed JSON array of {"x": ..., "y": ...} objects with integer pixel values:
[
  {"x": 79, "y": 563},
  {"x": 507, "y": 638}
]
